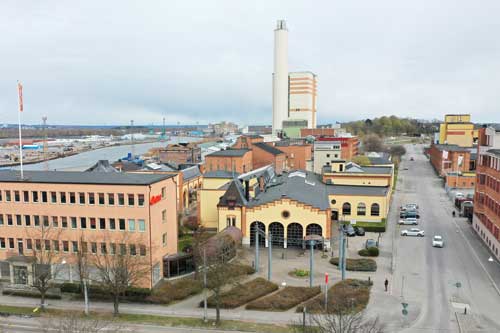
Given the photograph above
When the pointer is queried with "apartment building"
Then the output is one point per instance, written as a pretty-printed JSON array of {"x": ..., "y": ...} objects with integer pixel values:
[
  {"x": 486, "y": 220},
  {"x": 98, "y": 212}
]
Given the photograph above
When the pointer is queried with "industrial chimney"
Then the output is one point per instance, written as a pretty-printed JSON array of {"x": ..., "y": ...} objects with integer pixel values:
[{"x": 280, "y": 77}]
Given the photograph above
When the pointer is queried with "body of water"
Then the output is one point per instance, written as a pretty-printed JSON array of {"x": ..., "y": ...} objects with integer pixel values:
[{"x": 87, "y": 159}]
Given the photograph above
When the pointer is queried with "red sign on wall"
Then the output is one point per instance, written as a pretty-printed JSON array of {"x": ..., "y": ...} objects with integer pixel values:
[{"x": 154, "y": 199}]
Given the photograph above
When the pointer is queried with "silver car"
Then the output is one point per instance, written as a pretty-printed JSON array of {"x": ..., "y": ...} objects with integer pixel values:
[{"x": 412, "y": 232}]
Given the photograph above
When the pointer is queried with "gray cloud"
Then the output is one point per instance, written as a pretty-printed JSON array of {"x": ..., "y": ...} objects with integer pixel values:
[{"x": 95, "y": 62}]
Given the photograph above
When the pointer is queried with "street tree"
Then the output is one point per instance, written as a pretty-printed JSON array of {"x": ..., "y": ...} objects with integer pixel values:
[
  {"x": 73, "y": 322},
  {"x": 124, "y": 264},
  {"x": 397, "y": 151},
  {"x": 372, "y": 142}
]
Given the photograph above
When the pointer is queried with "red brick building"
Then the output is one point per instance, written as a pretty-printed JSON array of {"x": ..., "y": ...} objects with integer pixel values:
[
  {"x": 317, "y": 132},
  {"x": 451, "y": 158},
  {"x": 486, "y": 220},
  {"x": 237, "y": 160},
  {"x": 180, "y": 153},
  {"x": 298, "y": 154},
  {"x": 348, "y": 144}
]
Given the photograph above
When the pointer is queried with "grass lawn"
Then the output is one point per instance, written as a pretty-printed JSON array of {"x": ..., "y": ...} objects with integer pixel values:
[
  {"x": 184, "y": 241},
  {"x": 284, "y": 299},
  {"x": 350, "y": 293}
]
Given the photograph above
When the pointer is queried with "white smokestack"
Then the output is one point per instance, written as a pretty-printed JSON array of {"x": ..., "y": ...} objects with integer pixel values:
[{"x": 280, "y": 76}]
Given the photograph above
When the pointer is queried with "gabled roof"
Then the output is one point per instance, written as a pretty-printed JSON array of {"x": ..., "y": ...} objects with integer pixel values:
[
  {"x": 268, "y": 148},
  {"x": 229, "y": 153},
  {"x": 235, "y": 193},
  {"x": 190, "y": 173},
  {"x": 220, "y": 174}
]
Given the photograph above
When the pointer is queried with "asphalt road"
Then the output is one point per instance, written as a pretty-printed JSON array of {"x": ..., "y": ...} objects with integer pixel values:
[{"x": 426, "y": 277}]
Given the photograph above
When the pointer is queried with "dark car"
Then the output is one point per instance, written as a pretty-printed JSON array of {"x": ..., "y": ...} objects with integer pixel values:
[
  {"x": 409, "y": 214},
  {"x": 411, "y": 159},
  {"x": 370, "y": 243},
  {"x": 359, "y": 231},
  {"x": 349, "y": 230}
]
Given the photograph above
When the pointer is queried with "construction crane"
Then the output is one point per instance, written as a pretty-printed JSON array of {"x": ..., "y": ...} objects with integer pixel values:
[{"x": 45, "y": 148}]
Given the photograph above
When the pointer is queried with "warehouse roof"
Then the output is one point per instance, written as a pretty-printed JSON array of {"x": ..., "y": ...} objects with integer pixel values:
[
  {"x": 448, "y": 147},
  {"x": 220, "y": 174},
  {"x": 68, "y": 177},
  {"x": 229, "y": 152},
  {"x": 268, "y": 148}
]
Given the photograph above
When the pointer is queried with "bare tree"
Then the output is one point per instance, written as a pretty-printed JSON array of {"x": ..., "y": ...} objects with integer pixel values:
[
  {"x": 372, "y": 142},
  {"x": 122, "y": 265},
  {"x": 397, "y": 151},
  {"x": 73, "y": 322},
  {"x": 45, "y": 257},
  {"x": 343, "y": 322}
]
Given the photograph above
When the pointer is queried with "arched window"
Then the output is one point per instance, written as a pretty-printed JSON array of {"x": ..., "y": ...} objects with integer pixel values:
[
  {"x": 346, "y": 208},
  {"x": 361, "y": 209},
  {"x": 375, "y": 211}
]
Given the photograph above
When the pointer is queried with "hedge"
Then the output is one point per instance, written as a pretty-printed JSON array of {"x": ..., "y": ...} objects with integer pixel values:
[
  {"x": 350, "y": 294},
  {"x": 284, "y": 299},
  {"x": 29, "y": 293},
  {"x": 369, "y": 252},
  {"x": 358, "y": 265},
  {"x": 373, "y": 226},
  {"x": 181, "y": 289},
  {"x": 98, "y": 292},
  {"x": 243, "y": 293}
]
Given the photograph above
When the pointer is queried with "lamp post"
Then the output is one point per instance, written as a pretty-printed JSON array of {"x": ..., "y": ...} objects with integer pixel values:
[
  {"x": 311, "y": 262},
  {"x": 269, "y": 243}
]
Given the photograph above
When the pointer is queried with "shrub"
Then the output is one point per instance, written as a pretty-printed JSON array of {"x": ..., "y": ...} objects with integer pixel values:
[
  {"x": 370, "y": 252},
  {"x": 350, "y": 294},
  {"x": 373, "y": 226},
  {"x": 181, "y": 289},
  {"x": 191, "y": 223},
  {"x": 299, "y": 273},
  {"x": 29, "y": 293},
  {"x": 284, "y": 299},
  {"x": 358, "y": 265},
  {"x": 243, "y": 293},
  {"x": 73, "y": 288}
]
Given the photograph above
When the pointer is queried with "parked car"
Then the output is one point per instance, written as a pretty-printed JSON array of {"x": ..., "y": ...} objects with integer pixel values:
[
  {"x": 359, "y": 231},
  {"x": 409, "y": 214},
  {"x": 408, "y": 221},
  {"x": 412, "y": 232},
  {"x": 412, "y": 159},
  {"x": 349, "y": 230},
  {"x": 437, "y": 241},
  {"x": 410, "y": 206},
  {"x": 370, "y": 243}
]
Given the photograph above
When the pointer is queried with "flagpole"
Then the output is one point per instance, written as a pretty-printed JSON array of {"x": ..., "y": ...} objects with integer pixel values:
[{"x": 19, "y": 88}]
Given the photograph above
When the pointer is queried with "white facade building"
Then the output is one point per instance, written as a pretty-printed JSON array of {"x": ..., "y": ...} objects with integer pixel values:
[
  {"x": 325, "y": 153},
  {"x": 303, "y": 97}
]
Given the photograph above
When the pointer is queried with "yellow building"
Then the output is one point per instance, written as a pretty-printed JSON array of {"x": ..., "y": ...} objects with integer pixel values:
[
  {"x": 457, "y": 129},
  {"x": 294, "y": 207}
]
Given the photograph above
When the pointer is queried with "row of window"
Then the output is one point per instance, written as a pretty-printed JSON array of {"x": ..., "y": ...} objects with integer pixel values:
[
  {"x": 82, "y": 198},
  {"x": 64, "y": 246},
  {"x": 486, "y": 200},
  {"x": 490, "y": 162},
  {"x": 361, "y": 209},
  {"x": 73, "y": 222},
  {"x": 485, "y": 237},
  {"x": 489, "y": 181}
]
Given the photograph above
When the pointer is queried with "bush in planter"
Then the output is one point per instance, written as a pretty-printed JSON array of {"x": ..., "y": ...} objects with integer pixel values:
[
  {"x": 369, "y": 252},
  {"x": 68, "y": 287},
  {"x": 359, "y": 265}
]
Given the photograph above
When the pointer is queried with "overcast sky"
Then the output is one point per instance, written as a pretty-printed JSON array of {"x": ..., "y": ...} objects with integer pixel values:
[{"x": 106, "y": 62}]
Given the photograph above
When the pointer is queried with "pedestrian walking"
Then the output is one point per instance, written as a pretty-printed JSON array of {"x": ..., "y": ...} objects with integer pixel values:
[{"x": 386, "y": 284}]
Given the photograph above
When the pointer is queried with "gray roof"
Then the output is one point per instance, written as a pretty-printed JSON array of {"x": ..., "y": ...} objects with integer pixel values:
[
  {"x": 69, "y": 177},
  {"x": 379, "y": 160},
  {"x": 191, "y": 172},
  {"x": 358, "y": 190},
  {"x": 377, "y": 170},
  {"x": 220, "y": 174},
  {"x": 268, "y": 148},
  {"x": 229, "y": 152},
  {"x": 448, "y": 147},
  {"x": 494, "y": 151}
]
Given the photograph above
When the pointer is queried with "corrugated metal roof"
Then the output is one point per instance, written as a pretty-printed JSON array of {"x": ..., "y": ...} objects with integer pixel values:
[
  {"x": 230, "y": 152},
  {"x": 268, "y": 148}
]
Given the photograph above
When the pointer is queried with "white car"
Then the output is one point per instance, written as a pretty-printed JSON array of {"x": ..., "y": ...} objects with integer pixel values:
[
  {"x": 410, "y": 206},
  {"x": 412, "y": 232},
  {"x": 437, "y": 241},
  {"x": 409, "y": 221}
]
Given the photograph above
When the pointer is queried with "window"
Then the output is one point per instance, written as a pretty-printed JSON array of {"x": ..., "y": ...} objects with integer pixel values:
[
  {"x": 9, "y": 220},
  {"x": 62, "y": 196},
  {"x": 91, "y": 199},
  {"x": 26, "y": 196},
  {"x": 2, "y": 243},
  {"x": 230, "y": 221},
  {"x": 74, "y": 246},
  {"x": 45, "y": 221},
  {"x": 133, "y": 251},
  {"x": 104, "y": 250},
  {"x": 112, "y": 224},
  {"x": 83, "y": 223},
  {"x": 101, "y": 198},
  {"x": 72, "y": 198},
  {"x": 34, "y": 194},
  {"x": 122, "y": 224},
  {"x": 38, "y": 244},
  {"x": 84, "y": 247},
  {"x": 19, "y": 220},
  {"x": 111, "y": 199},
  {"x": 1, "y": 219},
  {"x": 375, "y": 210},
  {"x": 164, "y": 239},
  {"x": 285, "y": 214},
  {"x": 44, "y": 196},
  {"x": 53, "y": 197},
  {"x": 112, "y": 248},
  {"x": 140, "y": 199},
  {"x": 55, "y": 222},
  {"x": 131, "y": 200},
  {"x": 142, "y": 250},
  {"x": 93, "y": 247},
  {"x": 55, "y": 244},
  {"x": 142, "y": 225},
  {"x": 327, "y": 155},
  {"x": 361, "y": 209},
  {"x": 17, "y": 196},
  {"x": 1, "y": 195},
  {"x": 81, "y": 196},
  {"x": 93, "y": 223},
  {"x": 65, "y": 246},
  {"x": 123, "y": 249},
  {"x": 11, "y": 243},
  {"x": 73, "y": 222},
  {"x": 121, "y": 199},
  {"x": 164, "y": 216},
  {"x": 27, "y": 220},
  {"x": 29, "y": 244},
  {"x": 131, "y": 225},
  {"x": 7, "y": 196},
  {"x": 163, "y": 192},
  {"x": 102, "y": 223},
  {"x": 64, "y": 221},
  {"x": 36, "y": 220},
  {"x": 47, "y": 245},
  {"x": 346, "y": 209}
]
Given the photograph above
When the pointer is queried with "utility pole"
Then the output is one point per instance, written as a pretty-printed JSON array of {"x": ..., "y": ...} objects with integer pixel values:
[
  {"x": 311, "y": 262},
  {"x": 45, "y": 148},
  {"x": 205, "y": 317},
  {"x": 132, "y": 138}
]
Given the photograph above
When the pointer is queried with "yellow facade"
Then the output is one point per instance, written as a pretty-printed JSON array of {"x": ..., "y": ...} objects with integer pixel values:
[
  {"x": 207, "y": 207},
  {"x": 337, "y": 202},
  {"x": 363, "y": 179},
  {"x": 457, "y": 118},
  {"x": 457, "y": 130},
  {"x": 214, "y": 183}
]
